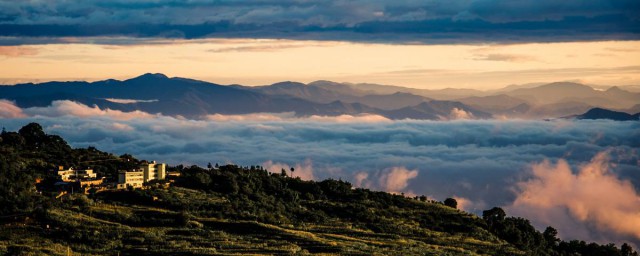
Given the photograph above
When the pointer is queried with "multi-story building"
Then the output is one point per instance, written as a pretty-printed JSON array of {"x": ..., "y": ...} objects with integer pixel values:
[
  {"x": 154, "y": 171},
  {"x": 147, "y": 172},
  {"x": 130, "y": 179}
]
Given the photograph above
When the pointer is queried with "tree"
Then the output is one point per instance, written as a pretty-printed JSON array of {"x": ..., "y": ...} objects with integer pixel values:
[
  {"x": 627, "y": 250},
  {"x": 451, "y": 203},
  {"x": 550, "y": 235},
  {"x": 493, "y": 216},
  {"x": 32, "y": 133},
  {"x": 292, "y": 170},
  {"x": 17, "y": 194}
]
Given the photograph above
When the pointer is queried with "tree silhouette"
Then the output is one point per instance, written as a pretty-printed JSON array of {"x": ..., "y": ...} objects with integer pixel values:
[
  {"x": 451, "y": 203},
  {"x": 493, "y": 216},
  {"x": 550, "y": 235}
]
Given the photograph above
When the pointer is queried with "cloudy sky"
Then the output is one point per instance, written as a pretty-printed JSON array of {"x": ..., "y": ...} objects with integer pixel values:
[{"x": 478, "y": 44}]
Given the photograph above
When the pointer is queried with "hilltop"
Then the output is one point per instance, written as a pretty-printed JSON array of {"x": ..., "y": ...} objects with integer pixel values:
[{"x": 240, "y": 210}]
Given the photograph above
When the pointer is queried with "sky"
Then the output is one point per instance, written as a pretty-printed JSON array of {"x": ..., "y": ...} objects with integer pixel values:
[{"x": 478, "y": 44}]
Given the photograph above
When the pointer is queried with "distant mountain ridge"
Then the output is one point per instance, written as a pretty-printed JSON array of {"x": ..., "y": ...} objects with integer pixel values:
[
  {"x": 157, "y": 93},
  {"x": 196, "y": 99},
  {"x": 600, "y": 113}
]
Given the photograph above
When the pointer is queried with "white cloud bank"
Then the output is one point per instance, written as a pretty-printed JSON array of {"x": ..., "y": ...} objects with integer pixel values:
[
  {"x": 8, "y": 109},
  {"x": 71, "y": 108}
]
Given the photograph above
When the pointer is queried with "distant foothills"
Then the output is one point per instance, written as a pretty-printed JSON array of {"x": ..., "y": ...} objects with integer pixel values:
[{"x": 157, "y": 93}]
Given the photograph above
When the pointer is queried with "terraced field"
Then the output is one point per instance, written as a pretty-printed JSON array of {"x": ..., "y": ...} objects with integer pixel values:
[{"x": 83, "y": 226}]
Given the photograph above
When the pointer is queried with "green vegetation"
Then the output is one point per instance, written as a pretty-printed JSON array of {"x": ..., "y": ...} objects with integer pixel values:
[{"x": 241, "y": 210}]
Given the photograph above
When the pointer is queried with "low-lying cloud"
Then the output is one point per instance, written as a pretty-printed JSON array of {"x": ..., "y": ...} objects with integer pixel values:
[
  {"x": 128, "y": 101},
  {"x": 290, "y": 116},
  {"x": 396, "y": 179},
  {"x": 8, "y": 109},
  {"x": 71, "y": 108},
  {"x": 457, "y": 114},
  {"x": 592, "y": 198},
  {"x": 393, "y": 179},
  {"x": 483, "y": 163},
  {"x": 301, "y": 170}
]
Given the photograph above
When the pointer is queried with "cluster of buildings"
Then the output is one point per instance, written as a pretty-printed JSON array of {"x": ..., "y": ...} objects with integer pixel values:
[{"x": 84, "y": 180}]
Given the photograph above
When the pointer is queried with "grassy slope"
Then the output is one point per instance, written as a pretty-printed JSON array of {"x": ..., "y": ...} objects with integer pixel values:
[{"x": 109, "y": 227}]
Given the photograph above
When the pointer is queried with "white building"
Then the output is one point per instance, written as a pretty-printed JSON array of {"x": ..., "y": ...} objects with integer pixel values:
[
  {"x": 153, "y": 171},
  {"x": 147, "y": 172},
  {"x": 130, "y": 179},
  {"x": 72, "y": 174}
]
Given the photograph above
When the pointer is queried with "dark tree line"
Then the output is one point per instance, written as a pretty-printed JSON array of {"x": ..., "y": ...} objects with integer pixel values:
[{"x": 522, "y": 234}]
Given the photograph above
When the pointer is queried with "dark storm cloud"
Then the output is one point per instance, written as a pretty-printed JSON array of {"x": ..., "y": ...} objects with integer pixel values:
[{"x": 379, "y": 21}]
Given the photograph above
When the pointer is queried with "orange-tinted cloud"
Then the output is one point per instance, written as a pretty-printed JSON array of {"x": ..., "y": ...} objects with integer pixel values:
[
  {"x": 8, "y": 109},
  {"x": 290, "y": 116},
  {"x": 71, "y": 108},
  {"x": 364, "y": 118},
  {"x": 303, "y": 170},
  {"x": 591, "y": 198},
  {"x": 17, "y": 51},
  {"x": 457, "y": 113},
  {"x": 257, "y": 117},
  {"x": 396, "y": 179}
]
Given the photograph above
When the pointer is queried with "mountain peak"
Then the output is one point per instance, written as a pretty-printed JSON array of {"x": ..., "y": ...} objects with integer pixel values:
[
  {"x": 615, "y": 89},
  {"x": 323, "y": 82},
  {"x": 154, "y": 76},
  {"x": 288, "y": 84},
  {"x": 568, "y": 85}
]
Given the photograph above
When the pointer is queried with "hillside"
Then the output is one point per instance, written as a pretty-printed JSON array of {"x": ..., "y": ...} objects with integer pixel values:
[{"x": 226, "y": 210}]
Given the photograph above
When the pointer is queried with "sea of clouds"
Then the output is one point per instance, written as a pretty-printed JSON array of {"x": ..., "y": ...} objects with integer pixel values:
[{"x": 581, "y": 177}]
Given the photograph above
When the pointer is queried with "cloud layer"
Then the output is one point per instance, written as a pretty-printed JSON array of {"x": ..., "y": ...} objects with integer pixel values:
[
  {"x": 70, "y": 108},
  {"x": 8, "y": 109},
  {"x": 405, "y": 21},
  {"x": 482, "y": 163}
]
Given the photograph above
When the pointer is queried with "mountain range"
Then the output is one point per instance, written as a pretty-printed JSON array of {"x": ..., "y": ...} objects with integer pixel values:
[{"x": 157, "y": 93}]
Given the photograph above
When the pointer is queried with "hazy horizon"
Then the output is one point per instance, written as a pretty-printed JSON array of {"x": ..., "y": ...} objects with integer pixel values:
[{"x": 261, "y": 62}]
